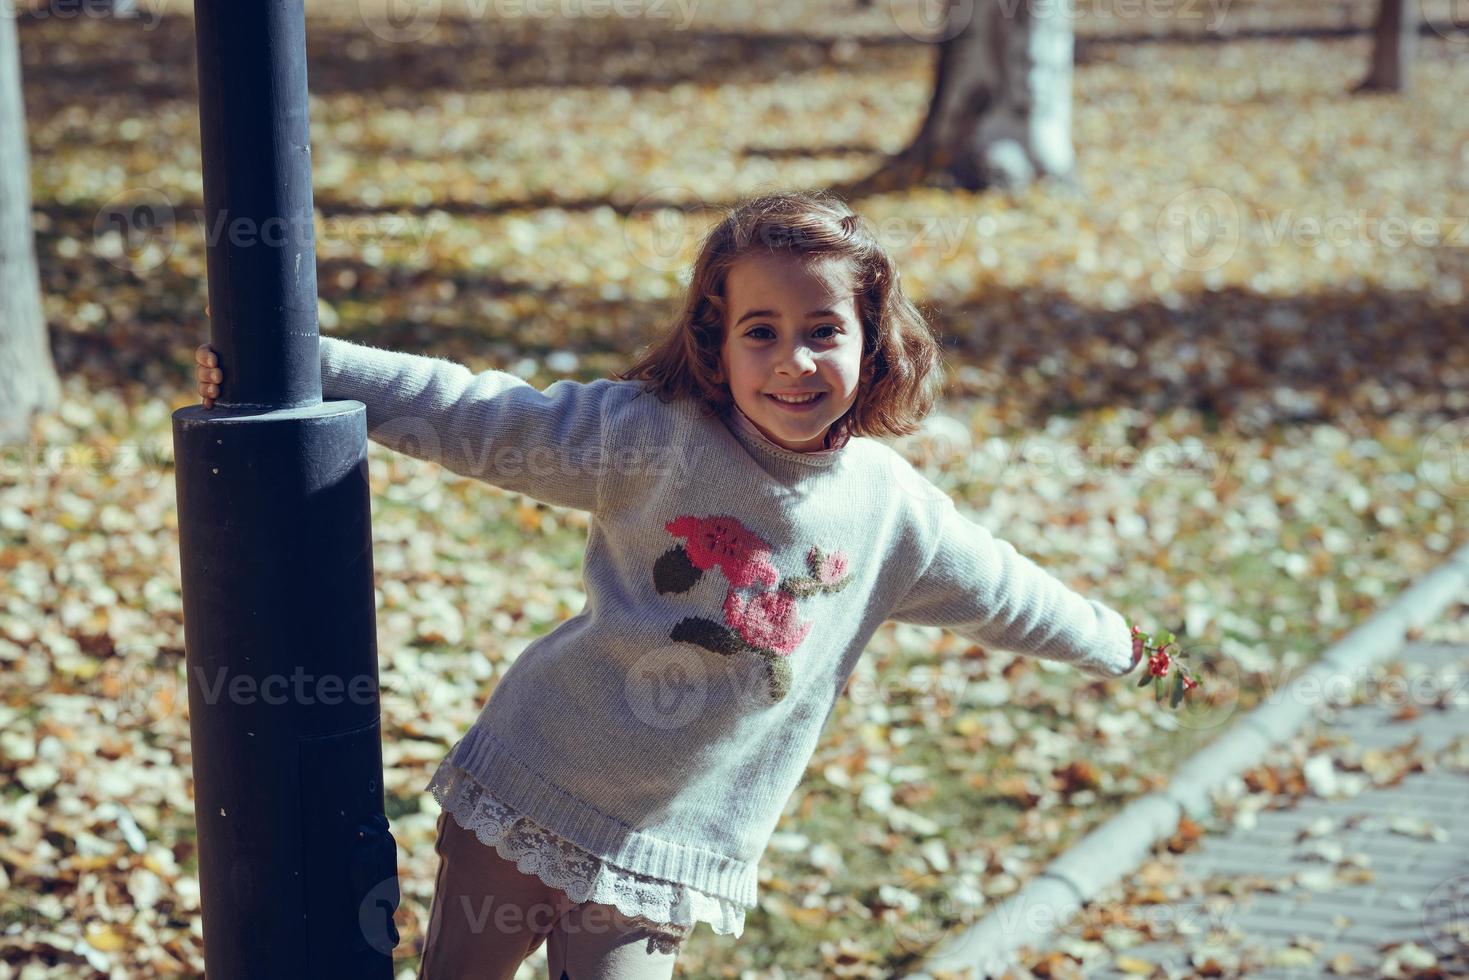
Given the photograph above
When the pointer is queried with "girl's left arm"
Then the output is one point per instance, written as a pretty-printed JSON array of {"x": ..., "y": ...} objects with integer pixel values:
[{"x": 981, "y": 588}]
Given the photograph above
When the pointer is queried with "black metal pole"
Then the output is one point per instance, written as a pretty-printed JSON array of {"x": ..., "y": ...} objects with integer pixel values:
[{"x": 297, "y": 869}]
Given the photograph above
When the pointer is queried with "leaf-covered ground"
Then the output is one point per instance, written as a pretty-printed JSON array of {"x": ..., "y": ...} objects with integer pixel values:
[
  {"x": 1180, "y": 915},
  {"x": 1222, "y": 389}
]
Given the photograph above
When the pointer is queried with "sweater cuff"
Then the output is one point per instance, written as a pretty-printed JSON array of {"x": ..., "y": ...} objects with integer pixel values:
[{"x": 1110, "y": 655}]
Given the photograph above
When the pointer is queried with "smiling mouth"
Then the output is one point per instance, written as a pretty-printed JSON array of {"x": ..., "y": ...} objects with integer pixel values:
[{"x": 806, "y": 403}]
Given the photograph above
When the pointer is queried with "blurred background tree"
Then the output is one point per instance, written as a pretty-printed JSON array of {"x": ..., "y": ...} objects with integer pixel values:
[
  {"x": 1394, "y": 35},
  {"x": 28, "y": 381},
  {"x": 1000, "y": 114}
]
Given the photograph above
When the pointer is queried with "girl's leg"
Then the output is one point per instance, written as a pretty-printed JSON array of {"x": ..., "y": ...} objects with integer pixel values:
[
  {"x": 487, "y": 916},
  {"x": 597, "y": 942}
]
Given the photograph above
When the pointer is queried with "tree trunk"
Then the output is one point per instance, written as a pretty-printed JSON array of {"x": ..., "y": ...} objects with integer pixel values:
[
  {"x": 1001, "y": 108},
  {"x": 28, "y": 381},
  {"x": 1393, "y": 37}
]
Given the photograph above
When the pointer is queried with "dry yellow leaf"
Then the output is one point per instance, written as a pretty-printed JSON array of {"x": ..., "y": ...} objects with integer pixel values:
[
  {"x": 807, "y": 916},
  {"x": 1292, "y": 956},
  {"x": 1157, "y": 873},
  {"x": 106, "y": 939},
  {"x": 528, "y": 517},
  {"x": 1134, "y": 966},
  {"x": 968, "y": 724},
  {"x": 81, "y": 669},
  {"x": 90, "y": 862}
]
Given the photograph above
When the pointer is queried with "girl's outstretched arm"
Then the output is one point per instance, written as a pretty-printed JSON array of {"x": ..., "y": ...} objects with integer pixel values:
[
  {"x": 493, "y": 426},
  {"x": 981, "y": 588}
]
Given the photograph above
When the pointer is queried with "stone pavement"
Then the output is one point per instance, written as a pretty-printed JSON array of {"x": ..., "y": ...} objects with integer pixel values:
[{"x": 1336, "y": 858}]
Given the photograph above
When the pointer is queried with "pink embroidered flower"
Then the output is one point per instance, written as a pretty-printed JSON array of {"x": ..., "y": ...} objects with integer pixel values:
[
  {"x": 723, "y": 541},
  {"x": 830, "y": 569},
  {"x": 767, "y": 621}
]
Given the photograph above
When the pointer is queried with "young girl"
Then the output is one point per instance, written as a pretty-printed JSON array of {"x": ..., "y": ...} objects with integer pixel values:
[{"x": 748, "y": 535}]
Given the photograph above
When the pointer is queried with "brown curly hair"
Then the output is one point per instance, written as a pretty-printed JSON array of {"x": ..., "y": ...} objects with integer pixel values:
[{"x": 902, "y": 360}]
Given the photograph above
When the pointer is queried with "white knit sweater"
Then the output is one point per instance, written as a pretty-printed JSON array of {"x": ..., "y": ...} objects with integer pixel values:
[{"x": 641, "y": 753}]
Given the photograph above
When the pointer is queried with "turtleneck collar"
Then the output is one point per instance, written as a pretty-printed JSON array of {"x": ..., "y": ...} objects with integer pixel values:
[{"x": 749, "y": 434}]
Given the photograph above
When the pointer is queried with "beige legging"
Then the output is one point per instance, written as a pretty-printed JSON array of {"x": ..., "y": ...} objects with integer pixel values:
[{"x": 488, "y": 916}]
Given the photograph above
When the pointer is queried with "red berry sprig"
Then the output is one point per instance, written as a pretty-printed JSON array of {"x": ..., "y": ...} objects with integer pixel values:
[{"x": 1160, "y": 662}]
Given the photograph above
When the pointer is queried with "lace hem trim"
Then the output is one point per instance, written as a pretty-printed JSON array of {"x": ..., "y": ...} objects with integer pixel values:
[{"x": 668, "y": 910}]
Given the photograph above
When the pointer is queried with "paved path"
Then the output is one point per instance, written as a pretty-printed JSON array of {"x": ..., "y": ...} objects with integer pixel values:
[{"x": 1334, "y": 867}]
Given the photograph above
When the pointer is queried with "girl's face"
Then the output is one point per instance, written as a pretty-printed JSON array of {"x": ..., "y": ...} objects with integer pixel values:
[{"x": 791, "y": 327}]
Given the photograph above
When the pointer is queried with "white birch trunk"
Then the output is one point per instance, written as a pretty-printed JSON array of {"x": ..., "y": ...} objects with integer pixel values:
[
  {"x": 1001, "y": 108},
  {"x": 28, "y": 382}
]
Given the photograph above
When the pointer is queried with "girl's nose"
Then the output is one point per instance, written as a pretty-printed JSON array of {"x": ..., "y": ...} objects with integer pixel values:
[{"x": 799, "y": 359}]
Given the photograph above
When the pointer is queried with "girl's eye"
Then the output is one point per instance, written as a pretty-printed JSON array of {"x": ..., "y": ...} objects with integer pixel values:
[{"x": 825, "y": 326}]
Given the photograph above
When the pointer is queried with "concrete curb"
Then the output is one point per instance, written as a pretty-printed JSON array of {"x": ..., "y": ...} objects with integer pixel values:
[{"x": 1032, "y": 916}]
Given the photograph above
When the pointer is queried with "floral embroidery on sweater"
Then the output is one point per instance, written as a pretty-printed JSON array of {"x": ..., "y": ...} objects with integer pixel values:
[{"x": 766, "y": 623}]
